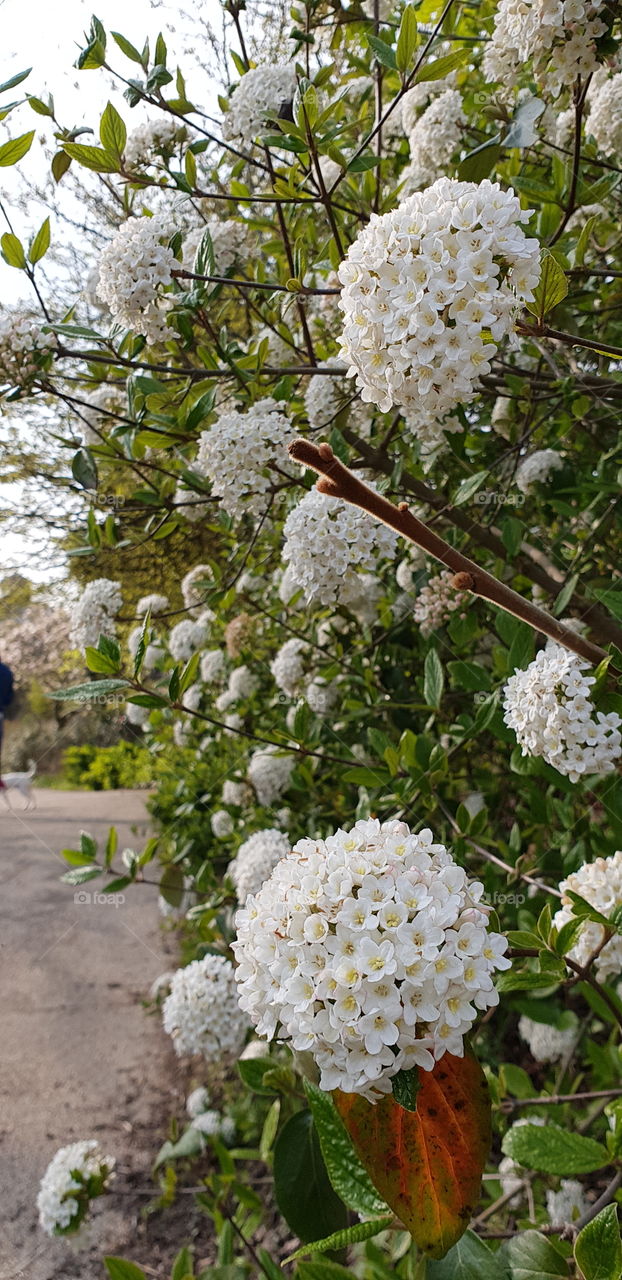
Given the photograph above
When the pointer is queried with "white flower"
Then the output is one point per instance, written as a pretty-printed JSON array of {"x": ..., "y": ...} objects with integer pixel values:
[
  {"x": 76, "y": 1175},
  {"x": 605, "y": 118},
  {"x": 261, "y": 92},
  {"x": 222, "y": 824},
  {"x": 289, "y": 667},
  {"x": 153, "y": 604},
  {"x": 137, "y": 715},
  {"x": 546, "y": 1043},
  {"x": 243, "y": 683},
  {"x": 437, "y": 601},
  {"x": 328, "y": 542},
  {"x": 269, "y": 774},
  {"x": 550, "y": 710},
  {"x": 24, "y": 347},
  {"x": 537, "y": 468},
  {"x": 433, "y": 140},
  {"x": 566, "y": 1205},
  {"x": 192, "y": 696},
  {"x": 202, "y": 1012},
  {"x": 237, "y": 793},
  {"x": 325, "y": 397},
  {"x": 256, "y": 859},
  {"x": 186, "y": 637},
  {"x": 212, "y": 666},
  {"x": 600, "y": 883},
  {"x": 189, "y": 503},
  {"x": 154, "y": 138},
  {"x": 238, "y": 454},
  {"x": 416, "y": 98},
  {"x": 370, "y": 951},
  {"x": 214, "y": 1125},
  {"x": 197, "y": 1102},
  {"x": 103, "y": 407},
  {"x": 322, "y": 696},
  {"x": 556, "y": 36},
  {"x": 134, "y": 269},
  {"x": 430, "y": 290},
  {"x": 193, "y": 585},
  {"x": 94, "y": 612}
]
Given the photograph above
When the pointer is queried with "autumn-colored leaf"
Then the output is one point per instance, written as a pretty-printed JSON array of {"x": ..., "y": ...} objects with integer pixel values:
[{"x": 427, "y": 1164}]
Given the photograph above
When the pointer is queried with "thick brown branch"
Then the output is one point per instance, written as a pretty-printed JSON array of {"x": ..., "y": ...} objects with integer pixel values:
[{"x": 339, "y": 482}]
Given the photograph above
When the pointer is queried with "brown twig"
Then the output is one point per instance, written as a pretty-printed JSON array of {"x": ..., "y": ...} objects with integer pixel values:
[{"x": 337, "y": 481}]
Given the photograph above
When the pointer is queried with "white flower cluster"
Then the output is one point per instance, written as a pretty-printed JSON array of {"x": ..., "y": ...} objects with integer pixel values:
[
  {"x": 193, "y": 585},
  {"x": 189, "y": 503},
  {"x": 222, "y": 824},
  {"x": 95, "y": 417},
  {"x": 322, "y": 695},
  {"x": 260, "y": 93},
  {"x": 202, "y": 1012},
  {"x": 290, "y": 666},
  {"x": 256, "y": 859},
  {"x": 370, "y": 951},
  {"x": 269, "y": 773},
  {"x": 187, "y": 636},
  {"x": 546, "y": 1043},
  {"x": 135, "y": 267},
  {"x": 157, "y": 137},
  {"x": 94, "y": 612},
  {"x": 550, "y": 710},
  {"x": 605, "y": 118},
  {"x": 429, "y": 430},
  {"x": 416, "y": 98},
  {"x": 325, "y": 397},
  {"x": 213, "y": 1124},
  {"x": 237, "y": 793},
  {"x": 137, "y": 715},
  {"x": 212, "y": 666},
  {"x": 328, "y": 541},
  {"x": 76, "y": 1175},
  {"x": 153, "y": 604},
  {"x": 437, "y": 601},
  {"x": 435, "y": 137},
  {"x": 557, "y": 36},
  {"x": 600, "y": 883},
  {"x": 23, "y": 347},
  {"x": 566, "y": 1205},
  {"x": 229, "y": 242},
  {"x": 537, "y": 468},
  {"x": 426, "y": 286},
  {"x": 243, "y": 683},
  {"x": 236, "y": 454}
]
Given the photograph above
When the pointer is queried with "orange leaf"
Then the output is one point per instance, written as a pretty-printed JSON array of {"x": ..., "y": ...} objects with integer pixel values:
[{"x": 428, "y": 1163}]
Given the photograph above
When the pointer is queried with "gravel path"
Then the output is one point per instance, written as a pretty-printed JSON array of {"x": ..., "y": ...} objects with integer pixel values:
[{"x": 80, "y": 1058}]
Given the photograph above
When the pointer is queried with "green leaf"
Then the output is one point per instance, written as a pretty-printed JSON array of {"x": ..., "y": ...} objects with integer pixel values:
[
  {"x": 99, "y": 662},
  {"x": 127, "y": 47},
  {"x": 121, "y": 1269},
  {"x": 15, "y": 80},
  {"x": 528, "y": 980},
  {"x": 112, "y": 131},
  {"x": 302, "y": 1187},
  {"x": 478, "y": 164},
  {"x": 384, "y": 53},
  {"x": 86, "y": 692},
  {"x": 41, "y": 242},
  {"x": 467, "y": 488},
  {"x": 551, "y": 289},
  {"x": 172, "y": 885},
  {"x": 470, "y": 1259},
  {"x": 80, "y": 875},
  {"x": 441, "y": 67},
  {"x": 13, "y": 250},
  {"x": 598, "y": 1249},
  {"x": 530, "y": 1256},
  {"x": 433, "y": 679},
  {"x": 551, "y": 1149},
  {"x": 84, "y": 469},
  {"x": 252, "y": 1072},
  {"x": 407, "y": 38},
  {"x": 204, "y": 260},
  {"x": 182, "y": 1266},
  {"x": 322, "y": 1269},
  {"x": 405, "y": 1086},
  {"x": 348, "y": 1177},
  {"x": 360, "y": 164},
  {"x": 16, "y": 149},
  {"x": 521, "y": 132},
  {"x": 60, "y": 164},
  {"x": 342, "y": 1239},
  {"x": 91, "y": 157},
  {"x": 39, "y": 107}
]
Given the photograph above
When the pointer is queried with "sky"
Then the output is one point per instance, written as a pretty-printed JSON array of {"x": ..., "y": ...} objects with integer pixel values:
[{"x": 47, "y": 36}]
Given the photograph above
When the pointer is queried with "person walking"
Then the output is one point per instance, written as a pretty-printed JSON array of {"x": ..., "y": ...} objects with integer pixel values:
[{"x": 6, "y": 698}]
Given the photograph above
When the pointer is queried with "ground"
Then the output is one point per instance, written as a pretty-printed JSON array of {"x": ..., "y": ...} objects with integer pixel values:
[{"x": 80, "y": 1057}]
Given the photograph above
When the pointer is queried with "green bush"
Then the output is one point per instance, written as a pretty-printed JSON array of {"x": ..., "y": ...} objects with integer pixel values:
[{"x": 126, "y": 764}]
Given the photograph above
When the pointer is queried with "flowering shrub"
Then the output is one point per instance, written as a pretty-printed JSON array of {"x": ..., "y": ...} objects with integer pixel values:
[{"x": 346, "y": 551}]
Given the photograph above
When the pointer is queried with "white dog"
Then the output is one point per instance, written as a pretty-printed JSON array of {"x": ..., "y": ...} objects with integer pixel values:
[{"x": 21, "y": 782}]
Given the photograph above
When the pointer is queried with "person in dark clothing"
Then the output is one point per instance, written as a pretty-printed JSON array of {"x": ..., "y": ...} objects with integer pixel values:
[{"x": 6, "y": 698}]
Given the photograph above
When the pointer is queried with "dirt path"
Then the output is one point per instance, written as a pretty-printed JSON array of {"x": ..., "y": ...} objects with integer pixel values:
[{"x": 79, "y": 1058}]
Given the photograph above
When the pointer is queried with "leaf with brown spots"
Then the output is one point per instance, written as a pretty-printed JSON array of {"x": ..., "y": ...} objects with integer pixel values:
[{"x": 427, "y": 1164}]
